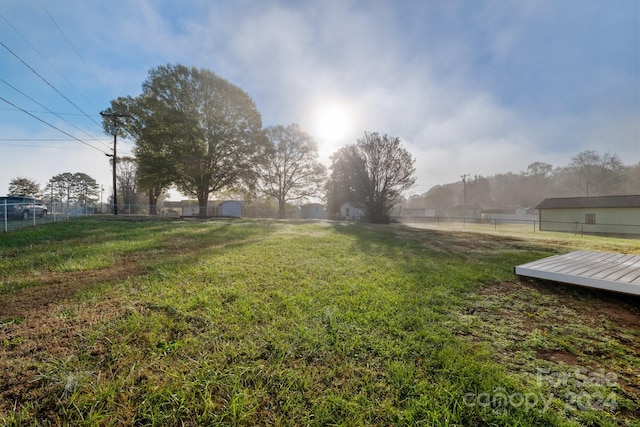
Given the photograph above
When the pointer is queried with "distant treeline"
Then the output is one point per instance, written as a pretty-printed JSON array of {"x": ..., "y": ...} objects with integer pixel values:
[{"x": 588, "y": 174}]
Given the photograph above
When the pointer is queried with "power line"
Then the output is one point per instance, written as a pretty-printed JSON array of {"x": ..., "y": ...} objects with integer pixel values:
[
  {"x": 47, "y": 82},
  {"x": 43, "y": 139},
  {"x": 50, "y": 125},
  {"x": 46, "y": 112},
  {"x": 47, "y": 61},
  {"x": 76, "y": 51},
  {"x": 56, "y": 114},
  {"x": 20, "y": 142},
  {"x": 57, "y": 147}
]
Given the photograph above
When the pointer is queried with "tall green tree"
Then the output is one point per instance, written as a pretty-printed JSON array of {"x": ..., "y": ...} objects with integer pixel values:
[
  {"x": 340, "y": 187},
  {"x": 22, "y": 186},
  {"x": 148, "y": 123},
  {"x": 291, "y": 170},
  {"x": 78, "y": 188},
  {"x": 378, "y": 169},
  {"x": 196, "y": 130}
]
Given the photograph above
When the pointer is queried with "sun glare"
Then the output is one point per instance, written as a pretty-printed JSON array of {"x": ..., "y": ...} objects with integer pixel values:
[{"x": 333, "y": 123}]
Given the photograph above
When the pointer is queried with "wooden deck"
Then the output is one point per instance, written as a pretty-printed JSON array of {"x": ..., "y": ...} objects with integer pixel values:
[{"x": 602, "y": 270}]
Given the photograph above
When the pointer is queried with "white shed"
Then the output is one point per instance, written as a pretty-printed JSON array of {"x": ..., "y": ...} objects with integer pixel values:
[
  {"x": 594, "y": 215},
  {"x": 230, "y": 208},
  {"x": 351, "y": 211},
  {"x": 312, "y": 210}
]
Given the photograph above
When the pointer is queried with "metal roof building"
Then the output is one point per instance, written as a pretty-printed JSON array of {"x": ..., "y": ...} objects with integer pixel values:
[{"x": 619, "y": 215}]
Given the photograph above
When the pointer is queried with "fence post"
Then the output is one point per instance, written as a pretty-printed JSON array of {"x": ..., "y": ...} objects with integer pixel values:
[
  {"x": 6, "y": 216},
  {"x": 33, "y": 212}
]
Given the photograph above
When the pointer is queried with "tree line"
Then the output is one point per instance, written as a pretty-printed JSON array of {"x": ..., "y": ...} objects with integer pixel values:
[
  {"x": 70, "y": 189},
  {"x": 589, "y": 173},
  {"x": 197, "y": 132}
]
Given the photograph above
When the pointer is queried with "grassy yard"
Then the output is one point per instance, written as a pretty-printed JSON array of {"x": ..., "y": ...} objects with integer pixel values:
[{"x": 150, "y": 322}]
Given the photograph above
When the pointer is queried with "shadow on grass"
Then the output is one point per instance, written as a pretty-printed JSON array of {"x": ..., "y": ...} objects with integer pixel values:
[
  {"x": 415, "y": 247},
  {"x": 104, "y": 252},
  {"x": 393, "y": 240},
  {"x": 446, "y": 270}
]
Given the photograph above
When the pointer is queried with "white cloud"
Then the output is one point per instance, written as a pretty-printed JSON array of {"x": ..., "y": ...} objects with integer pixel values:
[{"x": 437, "y": 75}]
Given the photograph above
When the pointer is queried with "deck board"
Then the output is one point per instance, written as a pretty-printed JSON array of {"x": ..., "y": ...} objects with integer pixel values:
[{"x": 602, "y": 270}]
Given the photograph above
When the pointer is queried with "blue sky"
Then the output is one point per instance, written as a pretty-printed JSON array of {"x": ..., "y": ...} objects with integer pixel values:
[{"x": 477, "y": 87}]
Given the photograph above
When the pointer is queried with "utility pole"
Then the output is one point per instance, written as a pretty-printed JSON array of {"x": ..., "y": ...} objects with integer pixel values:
[
  {"x": 464, "y": 185},
  {"x": 114, "y": 117}
]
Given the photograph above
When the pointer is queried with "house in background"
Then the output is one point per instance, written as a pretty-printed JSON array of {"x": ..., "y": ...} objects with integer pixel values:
[
  {"x": 351, "y": 211},
  {"x": 190, "y": 208},
  {"x": 591, "y": 215},
  {"x": 312, "y": 210}
]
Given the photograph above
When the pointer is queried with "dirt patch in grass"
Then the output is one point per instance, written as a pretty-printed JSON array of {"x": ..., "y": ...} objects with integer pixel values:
[
  {"x": 557, "y": 356},
  {"x": 51, "y": 287},
  {"x": 40, "y": 323},
  {"x": 572, "y": 328},
  {"x": 622, "y": 309}
]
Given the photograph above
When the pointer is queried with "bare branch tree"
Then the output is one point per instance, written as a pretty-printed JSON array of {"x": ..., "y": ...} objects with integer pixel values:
[
  {"x": 379, "y": 170},
  {"x": 291, "y": 170}
]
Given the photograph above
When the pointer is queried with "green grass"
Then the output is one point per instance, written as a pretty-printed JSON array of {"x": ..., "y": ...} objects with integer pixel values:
[{"x": 283, "y": 323}]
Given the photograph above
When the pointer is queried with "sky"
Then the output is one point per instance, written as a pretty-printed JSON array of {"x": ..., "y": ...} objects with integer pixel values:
[{"x": 471, "y": 87}]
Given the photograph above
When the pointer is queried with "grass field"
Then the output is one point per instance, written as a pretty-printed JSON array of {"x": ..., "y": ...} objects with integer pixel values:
[{"x": 151, "y": 322}]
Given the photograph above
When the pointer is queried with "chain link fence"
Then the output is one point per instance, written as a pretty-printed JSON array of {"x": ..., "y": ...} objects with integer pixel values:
[
  {"x": 524, "y": 226},
  {"x": 20, "y": 215}
]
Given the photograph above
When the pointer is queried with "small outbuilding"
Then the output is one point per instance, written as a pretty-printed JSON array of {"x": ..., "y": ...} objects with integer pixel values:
[
  {"x": 230, "y": 208},
  {"x": 312, "y": 210},
  {"x": 188, "y": 208},
  {"x": 351, "y": 211},
  {"x": 418, "y": 212},
  {"x": 591, "y": 215},
  {"x": 191, "y": 208}
]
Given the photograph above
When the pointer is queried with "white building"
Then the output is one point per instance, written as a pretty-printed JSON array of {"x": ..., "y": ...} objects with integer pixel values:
[
  {"x": 312, "y": 210},
  {"x": 351, "y": 211},
  {"x": 593, "y": 215},
  {"x": 230, "y": 208}
]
